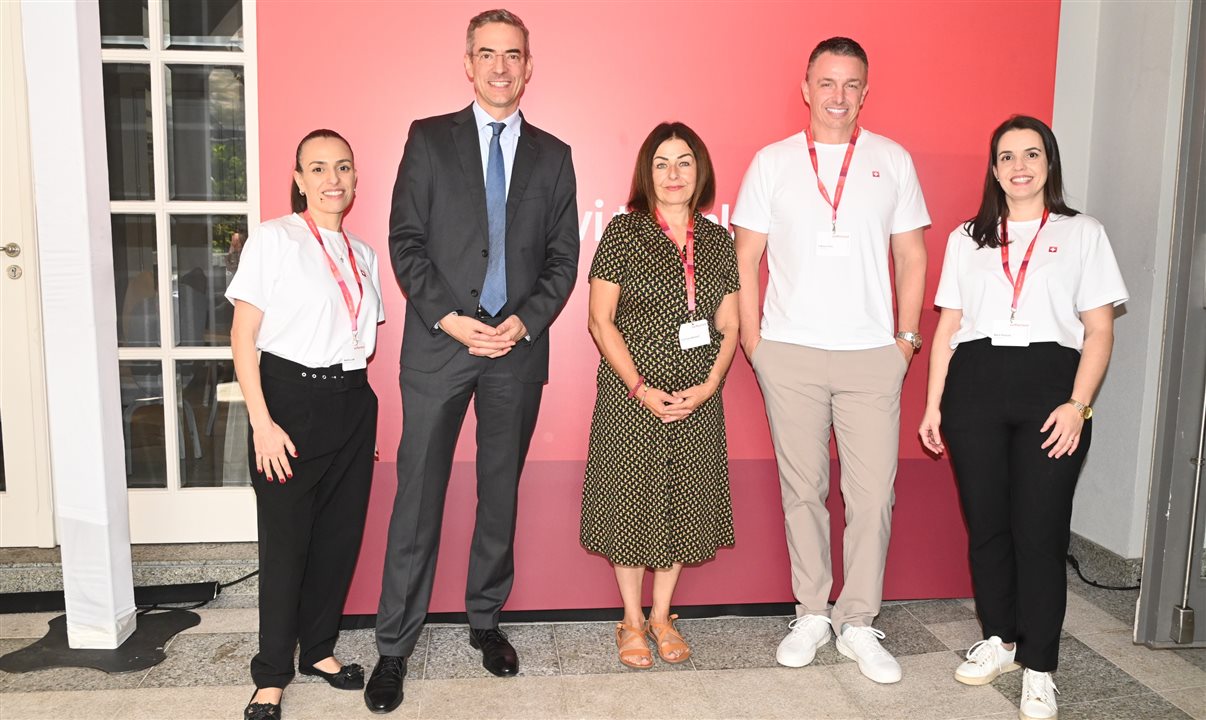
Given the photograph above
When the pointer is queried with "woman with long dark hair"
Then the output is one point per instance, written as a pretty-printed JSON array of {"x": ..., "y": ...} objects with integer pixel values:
[
  {"x": 1027, "y": 295},
  {"x": 663, "y": 312},
  {"x": 307, "y": 297}
]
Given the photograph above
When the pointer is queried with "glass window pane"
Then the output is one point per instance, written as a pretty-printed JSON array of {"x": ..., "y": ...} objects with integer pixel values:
[
  {"x": 203, "y": 25},
  {"x": 124, "y": 24},
  {"x": 136, "y": 279},
  {"x": 213, "y": 419},
  {"x": 128, "y": 131},
  {"x": 142, "y": 423},
  {"x": 207, "y": 136},
  {"x": 205, "y": 253}
]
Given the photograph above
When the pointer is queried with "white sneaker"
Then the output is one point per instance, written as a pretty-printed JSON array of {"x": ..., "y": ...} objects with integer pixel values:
[
  {"x": 808, "y": 633},
  {"x": 985, "y": 661},
  {"x": 1038, "y": 697},
  {"x": 862, "y": 644}
]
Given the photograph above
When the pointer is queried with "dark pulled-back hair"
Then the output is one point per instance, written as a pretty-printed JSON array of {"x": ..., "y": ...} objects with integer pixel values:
[
  {"x": 643, "y": 195},
  {"x": 500, "y": 15},
  {"x": 985, "y": 227},
  {"x": 838, "y": 46},
  {"x": 296, "y": 200}
]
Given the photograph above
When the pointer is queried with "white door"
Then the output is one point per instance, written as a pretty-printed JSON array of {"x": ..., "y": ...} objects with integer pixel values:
[
  {"x": 179, "y": 95},
  {"x": 26, "y": 507}
]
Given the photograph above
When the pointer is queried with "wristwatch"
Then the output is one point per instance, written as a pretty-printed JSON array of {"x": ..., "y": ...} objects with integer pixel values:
[
  {"x": 913, "y": 338},
  {"x": 1085, "y": 411}
]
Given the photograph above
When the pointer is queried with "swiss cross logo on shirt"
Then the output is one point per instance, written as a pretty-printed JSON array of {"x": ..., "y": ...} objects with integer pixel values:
[
  {"x": 874, "y": 173},
  {"x": 1052, "y": 249}
]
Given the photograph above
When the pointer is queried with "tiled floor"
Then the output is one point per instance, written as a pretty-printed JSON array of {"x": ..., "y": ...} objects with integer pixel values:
[{"x": 569, "y": 670}]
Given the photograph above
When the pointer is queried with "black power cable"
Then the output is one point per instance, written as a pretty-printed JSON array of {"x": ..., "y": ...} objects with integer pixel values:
[
  {"x": 1076, "y": 566},
  {"x": 144, "y": 609}
]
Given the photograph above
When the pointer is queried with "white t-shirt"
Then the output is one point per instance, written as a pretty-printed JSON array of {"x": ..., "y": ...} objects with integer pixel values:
[
  {"x": 821, "y": 301},
  {"x": 282, "y": 272},
  {"x": 1071, "y": 270}
]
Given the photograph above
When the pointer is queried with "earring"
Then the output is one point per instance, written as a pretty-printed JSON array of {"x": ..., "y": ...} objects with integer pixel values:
[{"x": 303, "y": 192}]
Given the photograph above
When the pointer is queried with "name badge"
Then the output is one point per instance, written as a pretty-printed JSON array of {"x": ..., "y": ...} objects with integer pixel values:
[
  {"x": 357, "y": 360},
  {"x": 1012, "y": 335},
  {"x": 693, "y": 334},
  {"x": 833, "y": 244}
]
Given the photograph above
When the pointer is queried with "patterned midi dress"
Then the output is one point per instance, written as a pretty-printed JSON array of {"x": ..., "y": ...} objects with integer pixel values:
[{"x": 657, "y": 493}]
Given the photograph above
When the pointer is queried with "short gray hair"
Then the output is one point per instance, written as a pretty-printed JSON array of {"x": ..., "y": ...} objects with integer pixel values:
[{"x": 496, "y": 16}]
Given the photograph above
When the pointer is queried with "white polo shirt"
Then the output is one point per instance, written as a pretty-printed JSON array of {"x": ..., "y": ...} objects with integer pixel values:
[
  {"x": 1073, "y": 269},
  {"x": 282, "y": 271},
  {"x": 821, "y": 301}
]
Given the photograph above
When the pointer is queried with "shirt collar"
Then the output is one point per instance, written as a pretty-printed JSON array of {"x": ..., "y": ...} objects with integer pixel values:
[{"x": 483, "y": 118}]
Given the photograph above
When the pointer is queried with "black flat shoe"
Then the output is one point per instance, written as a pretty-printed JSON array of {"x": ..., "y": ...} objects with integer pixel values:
[
  {"x": 261, "y": 711},
  {"x": 349, "y": 677},
  {"x": 498, "y": 656},
  {"x": 383, "y": 693}
]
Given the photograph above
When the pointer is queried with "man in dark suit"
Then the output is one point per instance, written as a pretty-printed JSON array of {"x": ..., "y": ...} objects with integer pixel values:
[{"x": 484, "y": 242}]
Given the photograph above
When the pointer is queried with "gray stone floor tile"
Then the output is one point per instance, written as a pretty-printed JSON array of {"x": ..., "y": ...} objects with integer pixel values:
[
  {"x": 1082, "y": 617},
  {"x": 769, "y": 693},
  {"x": 451, "y": 656},
  {"x": 93, "y": 705},
  {"x": 1157, "y": 669},
  {"x": 219, "y": 659},
  {"x": 959, "y": 635},
  {"x": 927, "y": 690},
  {"x": 1194, "y": 656},
  {"x": 640, "y": 695},
  {"x": 734, "y": 642},
  {"x": 1119, "y": 603},
  {"x": 535, "y": 697},
  {"x": 1147, "y": 706},
  {"x": 67, "y": 678},
  {"x": 26, "y": 625},
  {"x": 590, "y": 649},
  {"x": 904, "y": 633},
  {"x": 931, "y": 612},
  {"x": 1192, "y": 701},
  {"x": 1083, "y": 675}
]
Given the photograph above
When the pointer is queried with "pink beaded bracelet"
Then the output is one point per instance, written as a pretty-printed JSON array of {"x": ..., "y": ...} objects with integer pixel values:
[{"x": 632, "y": 393}]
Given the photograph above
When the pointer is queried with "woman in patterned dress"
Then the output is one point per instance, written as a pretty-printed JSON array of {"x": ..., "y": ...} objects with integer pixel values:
[{"x": 663, "y": 312}]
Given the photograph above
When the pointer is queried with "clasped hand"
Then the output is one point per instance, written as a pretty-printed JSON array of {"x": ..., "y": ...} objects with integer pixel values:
[
  {"x": 482, "y": 339},
  {"x": 669, "y": 407}
]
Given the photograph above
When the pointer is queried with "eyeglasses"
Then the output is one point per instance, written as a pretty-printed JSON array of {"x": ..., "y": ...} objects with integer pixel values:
[{"x": 486, "y": 57}]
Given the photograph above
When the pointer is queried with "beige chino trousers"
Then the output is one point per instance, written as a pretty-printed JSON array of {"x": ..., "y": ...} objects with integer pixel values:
[{"x": 857, "y": 394}]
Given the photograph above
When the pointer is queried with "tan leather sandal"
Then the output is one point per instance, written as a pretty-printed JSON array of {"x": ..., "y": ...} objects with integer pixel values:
[
  {"x": 627, "y": 638},
  {"x": 668, "y": 640}
]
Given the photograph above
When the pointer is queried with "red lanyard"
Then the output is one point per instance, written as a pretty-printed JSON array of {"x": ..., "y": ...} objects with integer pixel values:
[
  {"x": 841, "y": 183},
  {"x": 353, "y": 310},
  {"x": 1017, "y": 284},
  {"x": 687, "y": 255}
]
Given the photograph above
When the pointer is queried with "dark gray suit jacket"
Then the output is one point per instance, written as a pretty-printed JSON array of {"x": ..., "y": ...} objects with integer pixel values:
[{"x": 438, "y": 238}]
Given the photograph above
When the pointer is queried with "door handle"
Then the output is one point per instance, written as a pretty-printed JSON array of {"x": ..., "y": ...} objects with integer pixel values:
[{"x": 12, "y": 249}]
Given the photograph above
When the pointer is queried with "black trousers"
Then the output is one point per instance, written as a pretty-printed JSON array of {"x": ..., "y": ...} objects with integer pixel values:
[
  {"x": 433, "y": 409},
  {"x": 1017, "y": 501},
  {"x": 310, "y": 527}
]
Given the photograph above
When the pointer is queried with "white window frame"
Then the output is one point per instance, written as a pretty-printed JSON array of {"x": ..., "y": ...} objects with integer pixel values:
[{"x": 175, "y": 514}]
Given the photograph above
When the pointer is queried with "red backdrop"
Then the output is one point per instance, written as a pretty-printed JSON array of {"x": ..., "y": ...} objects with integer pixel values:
[{"x": 942, "y": 75}]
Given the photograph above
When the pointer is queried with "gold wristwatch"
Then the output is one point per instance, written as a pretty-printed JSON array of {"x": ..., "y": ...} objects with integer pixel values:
[{"x": 1085, "y": 411}]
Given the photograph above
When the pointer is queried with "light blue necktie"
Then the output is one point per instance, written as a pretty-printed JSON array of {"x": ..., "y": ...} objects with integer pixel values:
[{"x": 494, "y": 289}]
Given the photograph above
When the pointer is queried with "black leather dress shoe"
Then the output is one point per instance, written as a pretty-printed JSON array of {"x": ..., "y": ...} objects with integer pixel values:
[
  {"x": 498, "y": 656},
  {"x": 383, "y": 693},
  {"x": 349, "y": 677}
]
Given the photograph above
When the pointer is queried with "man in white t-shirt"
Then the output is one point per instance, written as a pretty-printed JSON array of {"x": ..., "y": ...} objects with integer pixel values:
[{"x": 826, "y": 206}]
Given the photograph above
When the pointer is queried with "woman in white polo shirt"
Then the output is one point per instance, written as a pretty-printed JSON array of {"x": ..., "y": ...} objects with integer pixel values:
[
  {"x": 1027, "y": 295},
  {"x": 308, "y": 297}
]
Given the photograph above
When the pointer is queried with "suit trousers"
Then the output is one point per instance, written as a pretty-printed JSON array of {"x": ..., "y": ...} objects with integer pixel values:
[
  {"x": 310, "y": 527},
  {"x": 856, "y": 393},
  {"x": 433, "y": 409},
  {"x": 1017, "y": 502}
]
